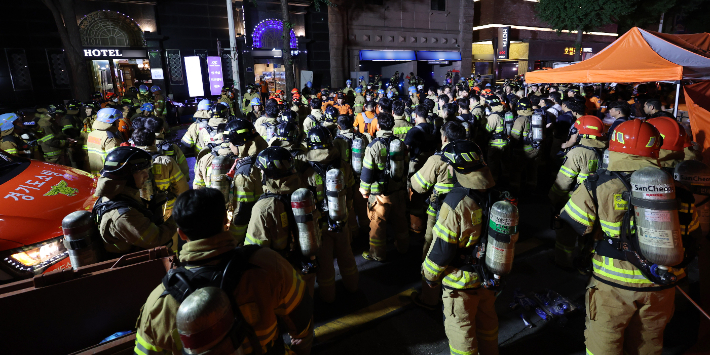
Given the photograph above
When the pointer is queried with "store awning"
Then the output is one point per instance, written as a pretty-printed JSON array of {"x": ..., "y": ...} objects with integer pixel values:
[{"x": 637, "y": 56}]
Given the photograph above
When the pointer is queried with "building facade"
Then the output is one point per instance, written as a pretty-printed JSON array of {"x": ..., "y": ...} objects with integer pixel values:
[
  {"x": 427, "y": 38},
  {"x": 533, "y": 44}
]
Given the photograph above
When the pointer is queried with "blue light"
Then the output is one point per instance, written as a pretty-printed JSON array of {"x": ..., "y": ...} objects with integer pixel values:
[{"x": 270, "y": 24}]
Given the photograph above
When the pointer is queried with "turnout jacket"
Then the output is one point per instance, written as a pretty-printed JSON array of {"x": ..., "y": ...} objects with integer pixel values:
[
  {"x": 102, "y": 140},
  {"x": 261, "y": 124},
  {"x": 269, "y": 293},
  {"x": 13, "y": 144},
  {"x": 316, "y": 182},
  {"x": 270, "y": 225},
  {"x": 193, "y": 131},
  {"x": 167, "y": 175},
  {"x": 359, "y": 103},
  {"x": 585, "y": 215},
  {"x": 433, "y": 177},
  {"x": 456, "y": 232},
  {"x": 580, "y": 161},
  {"x": 401, "y": 127},
  {"x": 496, "y": 128},
  {"x": 52, "y": 139},
  {"x": 123, "y": 228},
  {"x": 203, "y": 134},
  {"x": 313, "y": 119},
  {"x": 374, "y": 163},
  {"x": 246, "y": 187}
]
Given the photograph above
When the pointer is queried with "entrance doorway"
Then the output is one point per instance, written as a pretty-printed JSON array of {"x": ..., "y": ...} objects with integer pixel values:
[
  {"x": 116, "y": 75},
  {"x": 274, "y": 75}
]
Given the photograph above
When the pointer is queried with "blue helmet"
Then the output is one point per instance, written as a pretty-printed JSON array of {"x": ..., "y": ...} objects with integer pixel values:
[
  {"x": 309, "y": 84},
  {"x": 6, "y": 121},
  {"x": 255, "y": 102},
  {"x": 380, "y": 91},
  {"x": 412, "y": 89},
  {"x": 143, "y": 88},
  {"x": 348, "y": 81},
  {"x": 204, "y": 105},
  {"x": 147, "y": 107},
  {"x": 154, "y": 88},
  {"x": 390, "y": 94},
  {"x": 358, "y": 90},
  {"x": 110, "y": 115},
  {"x": 224, "y": 104},
  {"x": 362, "y": 78}
]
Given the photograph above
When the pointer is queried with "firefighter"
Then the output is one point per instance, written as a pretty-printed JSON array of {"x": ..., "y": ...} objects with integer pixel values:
[
  {"x": 626, "y": 312},
  {"x": 401, "y": 125},
  {"x": 161, "y": 108},
  {"x": 256, "y": 110},
  {"x": 166, "y": 175},
  {"x": 322, "y": 156},
  {"x": 315, "y": 117},
  {"x": 270, "y": 224},
  {"x": 498, "y": 140},
  {"x": 190, "y": 139},
  {"x": 245, "y": 143},
  {"x": 359, "y": 101},
  {"x": 103, "y": 138},
  {"x": 271, "y": 113},
  {"x": 209, "y": 132},
  {"x": 11, "y": 141},
  {"x": 248, "y": 99},
  {"x": 171, "y": 149},
  {"x": 342, "y": 107},
  {"x": 330, "y": 120},
  {"x": 126, "y": 223},
  {"x": 344, "y": 143},
  {"x": 267, "y": 291},
  {"x": 226, "y": 97},
  {"x": 143, "y": 96},
  {"x": 523, "y": 168},
  {"x": 51, "y": 140},
  {"x": 288, "y": 136},
  {"x": 385, "y": 194},
  {"x": 581, "y": 160},
  {"x": 434, "y": 181},
  {"x": 413, "y": 96},
  {"x": 366, "y": 122},
  {"x": 470, "y": 323}
]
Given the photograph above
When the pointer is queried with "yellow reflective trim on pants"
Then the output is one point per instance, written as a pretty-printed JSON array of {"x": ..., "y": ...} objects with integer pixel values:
[
  {"x": 461, "y": 352},
  {"x": 607, "y": 269},
  {"x": 432, "y": 267},
  {"x": 143, "y": 347}
]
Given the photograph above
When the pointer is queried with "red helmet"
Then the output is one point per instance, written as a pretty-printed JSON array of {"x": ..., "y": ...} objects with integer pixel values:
[
  {"x": 589, "y": 125},
  {"x": 279, "y": 92},
  {"x": 672, "y": 133},
  {"x": 294, "y": 91},
  {"x": 636, "y": 137},
  {"x": 296, "y": 96},
  {"x": 110, "y": 95}
]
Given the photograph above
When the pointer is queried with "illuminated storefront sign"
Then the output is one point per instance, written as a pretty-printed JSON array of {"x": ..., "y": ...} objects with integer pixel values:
[
  {"x": 214, "y": 67},
  {"x": 193, "y": 69},
  {"x": 114, "y": 53}
]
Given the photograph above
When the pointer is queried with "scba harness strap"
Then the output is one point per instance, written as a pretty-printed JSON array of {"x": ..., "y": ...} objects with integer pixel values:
[
  {"x": 626, "y": 246},
  {"x": 225, "y": 274}
]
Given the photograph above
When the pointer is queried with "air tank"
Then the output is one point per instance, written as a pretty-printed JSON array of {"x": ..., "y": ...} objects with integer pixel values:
[
  {"x": 358, "y": 149},
  {"x": 508, "y": 121},
  {"x": 79, "y": 231},
  {"x": 538, "y": 125},
  {"x": 218, "y": 174},
  {"x": 335, "y": 193},
  {"x": 303, "y": 205},
  {"x": 502, "y": 236},
  {"x": 396, "y": 159},
  {"x": 656, "y": 212},
  {"x": 204, "y": 322}
]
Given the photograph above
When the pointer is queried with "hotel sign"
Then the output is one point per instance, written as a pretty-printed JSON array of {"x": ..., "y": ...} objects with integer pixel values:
[{"x": 114, "y": 53}]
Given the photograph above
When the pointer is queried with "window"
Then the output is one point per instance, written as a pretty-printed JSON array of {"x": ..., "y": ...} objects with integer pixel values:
[{"x": 438, "y": 5}]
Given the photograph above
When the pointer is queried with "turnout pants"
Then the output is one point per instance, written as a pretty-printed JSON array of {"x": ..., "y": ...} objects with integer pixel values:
[
  {"x": 336, "y": 245},
  {"x": 417, "y": 211},
  {"x": 565, "y": 242},
  {"x": 471, "y": 322},
  {"x": 496, "y": 161},
  {"x": 523, "y": 170},
  {"x": 391, "y": 208},
  {"x": 626, "y": 322}
]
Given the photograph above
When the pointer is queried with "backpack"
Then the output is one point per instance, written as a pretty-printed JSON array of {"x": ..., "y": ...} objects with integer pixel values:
[
  {"x": 473, "y": 259},
  {"x": 626, "y": 246},
  {"x": 226, "y": 275}
]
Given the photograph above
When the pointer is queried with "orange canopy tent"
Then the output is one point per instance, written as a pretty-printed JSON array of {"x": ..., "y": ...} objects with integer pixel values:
[
  {"x": 637, "y": 56},
  {"x": 697, "y": 98}
]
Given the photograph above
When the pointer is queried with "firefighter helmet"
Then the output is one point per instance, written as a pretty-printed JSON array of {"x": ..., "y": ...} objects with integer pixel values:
[
  {"x": 636, "y": 137},
  {"x": 589, "y": 125},
  {"x": 340, "y": 95},
  {"x": 110, "y": 95},
  {"x": 154, "y": 88},
  {"x": 287, "y": 131},
  {"x": 348, "y": 81},
  {"x": 219, "y": 111},
  {"x": 143, "y": 89},
  {"x": 275, "y": 162},
  {"x": 123, "y": 161},
  {"x": 319, "y": 138},
  {"x": 380, "y": 92},
  {"x": 464, "y": 156},
  {"x": 294, "y": 91},
  {"x": 204, "y": 105},
  {"x": 358, "y": 90},
  {"x": 6, "y": 121},
  {"x": 289, "y": 116},
  {"x": 97, "y": 96},
  {"x": 108, "y": 115},
  {"x": 74, "y": 105},
  {"x": 672, "y": 133},
  {"x": 331, "y": 113},
  {"x": 296, "y": 97},
  {"x": 147, "y": 107},
  {"x": 523, "y": 104},
  {"x": 240, "y": 131}
]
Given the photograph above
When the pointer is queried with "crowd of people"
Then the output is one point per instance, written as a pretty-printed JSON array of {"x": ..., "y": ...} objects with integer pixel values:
[{"x": 312, "y": 177}]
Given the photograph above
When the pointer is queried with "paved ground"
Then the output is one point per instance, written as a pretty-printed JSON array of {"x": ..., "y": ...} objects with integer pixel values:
[{"x": 380, "y": 319}]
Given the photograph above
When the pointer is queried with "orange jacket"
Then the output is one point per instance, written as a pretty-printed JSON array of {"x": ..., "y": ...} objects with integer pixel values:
[
  {"x": 124, "y": 127},
  {"x": 362, "y": 125},
  {"x": 344, "y": 109}
]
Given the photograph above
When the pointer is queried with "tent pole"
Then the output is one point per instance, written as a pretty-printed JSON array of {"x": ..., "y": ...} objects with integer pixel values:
[{"x": 677, "y": 95}]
